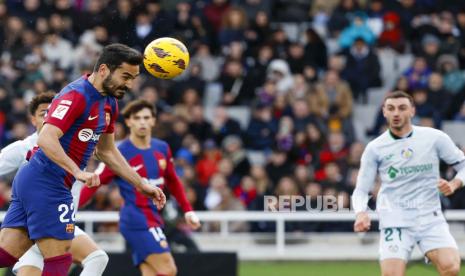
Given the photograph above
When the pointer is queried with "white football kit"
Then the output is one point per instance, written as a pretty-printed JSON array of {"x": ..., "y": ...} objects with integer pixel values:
[
  {"x": 408, "y": 201},
  {"x": 12, "y": 157}
]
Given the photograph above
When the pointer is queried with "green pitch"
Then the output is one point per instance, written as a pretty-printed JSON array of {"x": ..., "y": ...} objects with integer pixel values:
[{"x": 350, "y": 268}]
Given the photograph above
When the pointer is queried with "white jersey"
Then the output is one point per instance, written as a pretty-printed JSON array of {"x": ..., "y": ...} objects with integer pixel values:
[
  {"x": 13, "y": 156},
  {"x": 409, "y": 171}
]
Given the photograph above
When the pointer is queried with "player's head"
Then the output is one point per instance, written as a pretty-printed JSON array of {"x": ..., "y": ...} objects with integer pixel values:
[
  {"x": 38, "y": 107},
  {"x": 139, "y": 116},
  {"x": 118, "y": 66},
  {"x": 398, "y": 109}
]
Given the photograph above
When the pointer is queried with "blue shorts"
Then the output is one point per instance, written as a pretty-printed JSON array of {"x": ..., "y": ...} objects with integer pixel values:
[
  {"x": 41, "y": 203},
  {"x": 145, "y": 242}
]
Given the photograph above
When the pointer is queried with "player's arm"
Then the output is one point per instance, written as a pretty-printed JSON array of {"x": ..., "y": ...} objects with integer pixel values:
[
  {"x": 105, "y": 175},
  {"x": 109, "y": 154},
  {"x": 365, "y": 183},
  {"x": 452, "y": 155},
  {"x": 176, "y": 188},
  {"x": 62, "y": 113},
  {"x": 49, "y": 142},
  {"x": 11, "y": 158}
]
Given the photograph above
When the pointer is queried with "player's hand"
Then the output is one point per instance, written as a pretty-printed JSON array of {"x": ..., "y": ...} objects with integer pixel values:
[
  {"x": 192, "y": 220},
  {"x": 155, "y": 193},
  {"x": 446, "y": 188},
  {"x": 362, "y": 222},
  {"x": 88, "y": 178}
]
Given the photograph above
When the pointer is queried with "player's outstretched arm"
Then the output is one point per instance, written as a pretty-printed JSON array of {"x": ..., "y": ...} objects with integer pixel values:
[
  {"x": 365, "y": 183},
  {"x": 109, "y": 154},
  {"x": 177, "y": 190},
  {"x": 49, "y": 142}
]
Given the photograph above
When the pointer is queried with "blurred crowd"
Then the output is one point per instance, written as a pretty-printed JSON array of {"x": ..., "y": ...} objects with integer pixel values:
[{"x": 298, "y": 68}]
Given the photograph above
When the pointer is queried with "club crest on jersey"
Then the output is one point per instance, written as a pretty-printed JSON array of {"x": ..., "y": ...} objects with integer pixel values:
[
  {"x": 70, "y": 228},
  {"x": 163, "y": 243},
  {"x": 406, "y": 153},
  {"x": 87, "y": 134},
  {"x": 162, "y": 164}
]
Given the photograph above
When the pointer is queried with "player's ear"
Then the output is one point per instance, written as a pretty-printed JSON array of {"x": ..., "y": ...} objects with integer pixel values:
[
  {"x": 414, "y": 110},
  {"x": 33, "y": 120},
  {"x": 103, "y": 71}
]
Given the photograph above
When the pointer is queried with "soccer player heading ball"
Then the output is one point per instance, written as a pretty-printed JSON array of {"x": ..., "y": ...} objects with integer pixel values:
[
  {"x": 406, "y": 158},
  {"x": 80, "y": 119}
]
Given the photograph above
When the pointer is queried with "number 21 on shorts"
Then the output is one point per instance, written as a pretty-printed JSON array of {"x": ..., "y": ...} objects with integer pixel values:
[{"x": 391, "y": 233}]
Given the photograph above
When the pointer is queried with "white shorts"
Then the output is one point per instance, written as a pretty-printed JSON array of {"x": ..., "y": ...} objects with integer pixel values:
[
  {"x": 33, "y": 257},
  {"x": 399, "y": 242}
]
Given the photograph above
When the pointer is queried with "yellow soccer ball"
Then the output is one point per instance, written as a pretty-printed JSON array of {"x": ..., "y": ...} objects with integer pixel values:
[{"x": 166, "y": 58}]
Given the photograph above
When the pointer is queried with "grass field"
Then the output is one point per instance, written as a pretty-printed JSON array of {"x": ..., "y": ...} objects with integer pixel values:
[{"x": 327, "y": 269}]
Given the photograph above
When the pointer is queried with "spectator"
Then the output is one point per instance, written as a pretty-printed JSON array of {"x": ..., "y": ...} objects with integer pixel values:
[
  {"x": 315, "y": 50},
  {"x": 334, "y": 93},
  {"x": 262, "y": 129},
  {"x": 234, "y": 24},
  {"x": 357, "y": 30},
  {"x": 417, "y": 75},
  {"x": 232, "y": 148},
  {"x": 207, "y": 165},
  {"x": 223, "y": 125},
  {"x": 361, "y": 61},
  {"x": 392, "y": 35}
]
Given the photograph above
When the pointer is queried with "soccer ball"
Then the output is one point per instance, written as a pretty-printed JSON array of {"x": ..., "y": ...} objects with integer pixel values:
[{"x": 166, "y": 57}]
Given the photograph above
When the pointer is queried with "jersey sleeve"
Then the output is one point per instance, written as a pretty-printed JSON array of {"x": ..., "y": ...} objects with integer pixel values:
[
  {"x": 174, "y": 184},
  {"x": 365, "y": 179},
  {"x": 64, "y": 110},
  {"x": 11, "y": 158},
  {"x": 105, "y": 176},
  {"x": 451, "y": 154},
  {"x": 113, "y": 117}
]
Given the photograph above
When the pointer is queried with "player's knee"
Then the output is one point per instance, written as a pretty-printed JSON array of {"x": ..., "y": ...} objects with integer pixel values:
[
  {"x": 169, "y": 270},
  {"x": 449, "y": 268},
  {"x": 392, "y": 271}
]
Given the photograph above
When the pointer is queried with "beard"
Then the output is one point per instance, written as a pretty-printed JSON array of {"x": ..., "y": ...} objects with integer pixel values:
[{"x": 110, "y": 88}]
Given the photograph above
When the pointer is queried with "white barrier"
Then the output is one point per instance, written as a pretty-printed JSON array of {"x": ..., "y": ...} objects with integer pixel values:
[{"x": 89, "y": 218}]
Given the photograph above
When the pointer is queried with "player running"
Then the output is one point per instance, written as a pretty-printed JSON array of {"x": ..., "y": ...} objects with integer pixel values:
[
  {"x": 140, "y": 223},
  {"x": 83, "y": 248},
  {"x": 406, "y": 157},
  {"x": 80, "y": 119}
]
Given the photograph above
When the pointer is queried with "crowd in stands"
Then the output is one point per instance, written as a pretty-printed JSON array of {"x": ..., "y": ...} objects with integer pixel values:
[{"x": 299, "y": 68}]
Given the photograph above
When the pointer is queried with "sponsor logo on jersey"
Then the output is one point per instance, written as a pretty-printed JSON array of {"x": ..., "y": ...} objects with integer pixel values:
[
  {"x": 392, "y": 172},
  {"x": 406, "y": 153},
  {"x": 422, "y": 168},
  {"x": 60, "y": 111},
  {"x": 162, "y": 164},
  {"x": 87, "y": 134},
  {"x": 69, "y": 228}
]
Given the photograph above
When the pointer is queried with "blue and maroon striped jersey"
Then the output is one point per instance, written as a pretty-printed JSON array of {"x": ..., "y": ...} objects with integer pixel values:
[
  {"x": 155, "y": 164},
  {"x": 82, "y": 114}
]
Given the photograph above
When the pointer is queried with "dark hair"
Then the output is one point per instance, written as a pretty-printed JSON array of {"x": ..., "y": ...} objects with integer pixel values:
[
  {"x": 136, "y": 106},
  {"x": 398, "y": 95},
  {"x": 42, "y": 98},
  {"x": 115, "y": 54}
]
